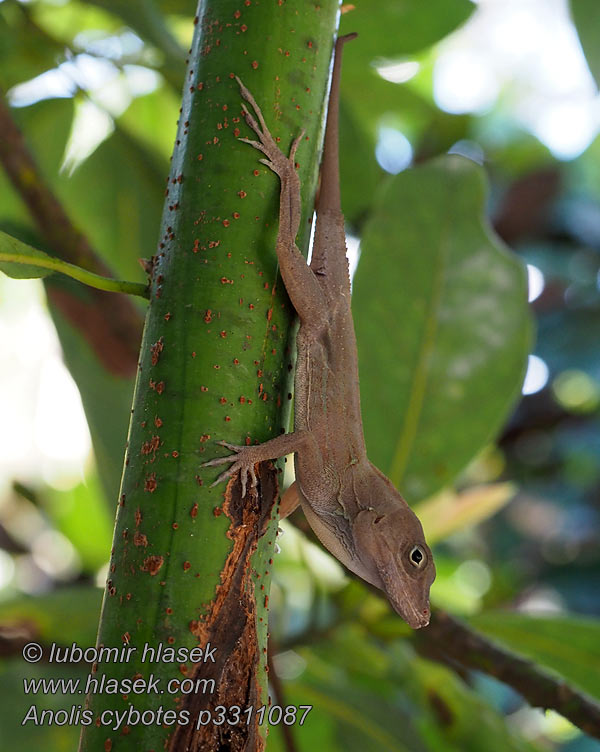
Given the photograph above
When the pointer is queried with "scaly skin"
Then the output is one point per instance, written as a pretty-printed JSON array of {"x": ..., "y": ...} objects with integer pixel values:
[{"x": 353, "y": 508}]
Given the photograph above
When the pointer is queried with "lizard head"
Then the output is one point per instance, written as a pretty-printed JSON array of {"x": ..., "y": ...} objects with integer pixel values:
[
  {"x": 390, "y": 544},
  {"x": 396, "y": 558},
  {"x": 380, "y": 539}
]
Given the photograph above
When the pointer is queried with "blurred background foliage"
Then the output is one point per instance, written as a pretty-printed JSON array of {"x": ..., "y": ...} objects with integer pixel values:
[{"x": 513, "y": 514}]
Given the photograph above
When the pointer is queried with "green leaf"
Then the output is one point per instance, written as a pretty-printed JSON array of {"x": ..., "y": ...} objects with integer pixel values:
[
  {"x": 71, "y": 22},
  {"x": 586, "y": 15},
  {"x": 78, "y": 510},
  {"x": 567, "y": 645},
  {"x": 359, "y": 172},
  {"x": 15, "y": 255},
  {"x": 442, "y": 324},
  {"x": 366, "y": 696},
  {"x": 116, "y": 195},
  {"x": 466, "y": 722},
  {"x": 106, "y": 398},
  {"x": 151, "y": 120},
  {"x": 360, "y": 118},
  {"x": 391, "y": 28}
]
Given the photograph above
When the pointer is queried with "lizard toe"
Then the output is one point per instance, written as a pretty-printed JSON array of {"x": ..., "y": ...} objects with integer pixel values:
[
  {"x": 233, "y": 447},
  {"x": 216, "y": 461},
  {"x": 224, "y": 475},
  {"x": 253, "y": 476},
  {"x": 295, "y": 143}
]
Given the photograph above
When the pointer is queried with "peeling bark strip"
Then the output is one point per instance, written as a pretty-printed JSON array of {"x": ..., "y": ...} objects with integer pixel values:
[{"x": 231, "y": 627}]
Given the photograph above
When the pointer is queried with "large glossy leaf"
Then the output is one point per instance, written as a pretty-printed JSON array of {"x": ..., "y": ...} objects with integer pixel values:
[
  {"x": 78, "y": 510},
  {"x": 586, "y": 15},
  {"x": 390, "y": 28},
  {"x": 442, "y": 325},
  {"x": 106, "y": 396},
  {"x": 567, "y": 645}
]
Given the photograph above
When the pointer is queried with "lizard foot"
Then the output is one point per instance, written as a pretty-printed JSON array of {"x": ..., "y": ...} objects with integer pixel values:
[
  {"x": 243, "y": 461},
  {"x": 276, "y": 159}
]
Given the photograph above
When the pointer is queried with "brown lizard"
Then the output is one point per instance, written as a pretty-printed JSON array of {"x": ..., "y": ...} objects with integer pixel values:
[{"x": 352, "y": 507}]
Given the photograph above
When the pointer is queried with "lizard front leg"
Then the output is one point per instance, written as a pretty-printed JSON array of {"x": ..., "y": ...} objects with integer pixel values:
[{"x": 245, "y": 457}]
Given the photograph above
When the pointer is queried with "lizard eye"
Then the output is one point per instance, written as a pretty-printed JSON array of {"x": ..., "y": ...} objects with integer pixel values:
[{"x": 418, "y": 557}]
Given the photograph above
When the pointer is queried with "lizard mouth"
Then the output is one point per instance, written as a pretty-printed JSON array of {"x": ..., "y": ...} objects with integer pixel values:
[
  {"x": 416, "y": 616},
  {"x": 416, "y": 619}
]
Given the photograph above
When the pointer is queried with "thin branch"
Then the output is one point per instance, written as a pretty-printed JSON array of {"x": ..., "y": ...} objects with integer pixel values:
[
  {"x": 275, "y": 682},
  {"x": 448, "y": 640},
  {"x": 117, "y": 323},
  {"x": 451, "y": 642}
]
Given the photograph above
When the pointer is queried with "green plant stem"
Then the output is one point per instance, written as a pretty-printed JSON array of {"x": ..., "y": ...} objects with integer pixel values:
[
  {"x": 191, "y": 564},
  {"x": 81, "y": 275}
]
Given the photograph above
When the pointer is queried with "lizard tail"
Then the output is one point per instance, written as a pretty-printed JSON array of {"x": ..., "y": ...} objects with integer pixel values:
[{"x": 329, "y": 193}]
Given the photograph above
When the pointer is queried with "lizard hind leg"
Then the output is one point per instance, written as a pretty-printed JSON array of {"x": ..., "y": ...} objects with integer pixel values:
[
  {"x": 300, "y": 281},
  {"x": 276, "y": 159}
]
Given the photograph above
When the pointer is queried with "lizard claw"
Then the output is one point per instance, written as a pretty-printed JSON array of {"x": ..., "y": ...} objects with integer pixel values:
[
  {"x": 239, "y": 463},
  {"x": 255, "y": 144},
  {"x": 233, "y": 447},
  {"x": 295, "y": 143},
  {"x": 269, "y": 164}
]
